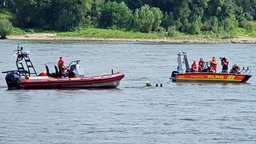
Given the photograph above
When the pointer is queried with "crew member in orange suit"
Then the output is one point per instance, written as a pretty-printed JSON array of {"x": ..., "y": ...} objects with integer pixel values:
[{"x": 213, "y": 65}]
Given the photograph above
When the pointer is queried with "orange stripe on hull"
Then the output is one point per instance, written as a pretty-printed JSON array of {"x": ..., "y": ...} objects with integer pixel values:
[{"x": 213, "y": 77}]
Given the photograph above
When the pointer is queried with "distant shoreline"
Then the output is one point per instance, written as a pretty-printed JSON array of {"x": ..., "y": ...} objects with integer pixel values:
[{"x": 52, "y": 37}]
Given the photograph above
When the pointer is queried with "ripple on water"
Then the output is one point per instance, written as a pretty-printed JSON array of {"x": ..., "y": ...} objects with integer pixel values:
[{"x": 175, "y": 113}]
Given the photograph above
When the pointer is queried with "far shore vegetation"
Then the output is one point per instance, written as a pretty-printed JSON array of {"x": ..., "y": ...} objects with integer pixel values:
[
  {"x": 124, "y": 19},
  {"x": 121, "y": 34}
]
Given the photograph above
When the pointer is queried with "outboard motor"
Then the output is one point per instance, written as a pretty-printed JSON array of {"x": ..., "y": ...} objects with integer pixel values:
[
  {"x": 13, "y": 79},
  {"x": 173, "y": 75}
]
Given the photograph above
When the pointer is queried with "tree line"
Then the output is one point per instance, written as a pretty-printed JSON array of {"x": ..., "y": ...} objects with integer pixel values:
[{"x": 186, "y": 16}]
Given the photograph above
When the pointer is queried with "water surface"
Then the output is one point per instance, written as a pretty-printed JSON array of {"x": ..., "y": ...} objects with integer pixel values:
[{"x": 175, "y": 113}]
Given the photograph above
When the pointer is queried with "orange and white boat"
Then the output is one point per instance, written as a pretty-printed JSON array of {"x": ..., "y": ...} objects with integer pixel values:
[{"x": 183, "y": 74}]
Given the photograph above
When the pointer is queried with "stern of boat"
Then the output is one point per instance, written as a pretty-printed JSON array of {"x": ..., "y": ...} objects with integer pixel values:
[
  {"x": 12, "y": 79},
  {"x": 173, "y": 75}
]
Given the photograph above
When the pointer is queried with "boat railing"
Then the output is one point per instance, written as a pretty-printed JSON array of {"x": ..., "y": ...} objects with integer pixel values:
[
  {"x": 245, "y": 70},
  {"x": 73, "y": 62}
]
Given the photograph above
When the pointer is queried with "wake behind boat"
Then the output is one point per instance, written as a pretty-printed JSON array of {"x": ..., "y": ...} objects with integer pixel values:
[
  {"x": 184, "y": 74},
  {"x": 26, "y": 76}
]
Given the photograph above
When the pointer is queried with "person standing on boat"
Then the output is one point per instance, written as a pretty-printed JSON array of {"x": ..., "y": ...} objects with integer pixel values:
[
  {"x": 213, "y": 65},
  {"x": 224, "y": 63},
  {"x": 61, "y": 65},
  {"x": 201, "y": 65},
  {"x": 194, "y": 67}
]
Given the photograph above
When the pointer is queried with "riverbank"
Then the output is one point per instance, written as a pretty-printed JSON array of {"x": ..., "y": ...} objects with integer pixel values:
[{"x": 53, "y": 36}]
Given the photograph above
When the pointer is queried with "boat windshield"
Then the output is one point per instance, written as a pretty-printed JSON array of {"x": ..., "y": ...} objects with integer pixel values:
[{"x": 78, "y": 71}]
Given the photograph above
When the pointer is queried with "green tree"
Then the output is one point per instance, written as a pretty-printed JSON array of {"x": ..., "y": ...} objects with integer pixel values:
[
  {"x": 68, "y": 14},
  {"x": 115, "y": 15},
  {"x": 197, "y": 8},
  {"x": 33, "y": 13},
  {"x": 248, "y": 8},
  {"x": 229, "y": 24},
  {"x": 195, "y": 26},
  {"x": 183, "y": 13},
  {"x": 5, "y": 28},
  {"x": 242, "y": 22},
  {"x": 212, "y": 24},
  {"x": 158, "y": 17},
  {"x": 222, "y": 9},
  {"x": 134, "y": 4},
  {"x": 143, "y": 19},
  {"x": 171, "y": 32},
  {"x": 94, "y": 12},
  {"x": 168, "y": 20},
  {"x": 50, "y": 14},
  {"x": 25, "y": 12}
]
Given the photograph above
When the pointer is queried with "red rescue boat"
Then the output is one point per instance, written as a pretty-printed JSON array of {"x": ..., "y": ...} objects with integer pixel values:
[
  {"x": 183, "y": 74},
  {"x": 104, "y": 81},
  {"x": 210, "y": 77},
  {"x": 26, "y": 77}
]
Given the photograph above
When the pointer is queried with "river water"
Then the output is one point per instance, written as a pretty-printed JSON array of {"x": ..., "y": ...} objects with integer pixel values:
[{"x": 132, "y": 114}]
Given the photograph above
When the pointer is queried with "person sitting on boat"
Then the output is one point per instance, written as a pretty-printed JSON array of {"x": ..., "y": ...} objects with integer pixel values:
[
  {"x": 235, "y": 69},
  {"x": 61, "y": 65},
  {"x": 201, "y": 65},
  {"x": 194, "y": 67},
  {"x": 213, "y": 65},
  {"x": 43, "y": 73},
  {"x": 224, "y": 63}
]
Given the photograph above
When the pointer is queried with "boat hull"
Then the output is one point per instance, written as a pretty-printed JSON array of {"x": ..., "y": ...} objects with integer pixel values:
[
  {"x": 210, "y": 77},
  {"x": 45, "y": 82}
]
